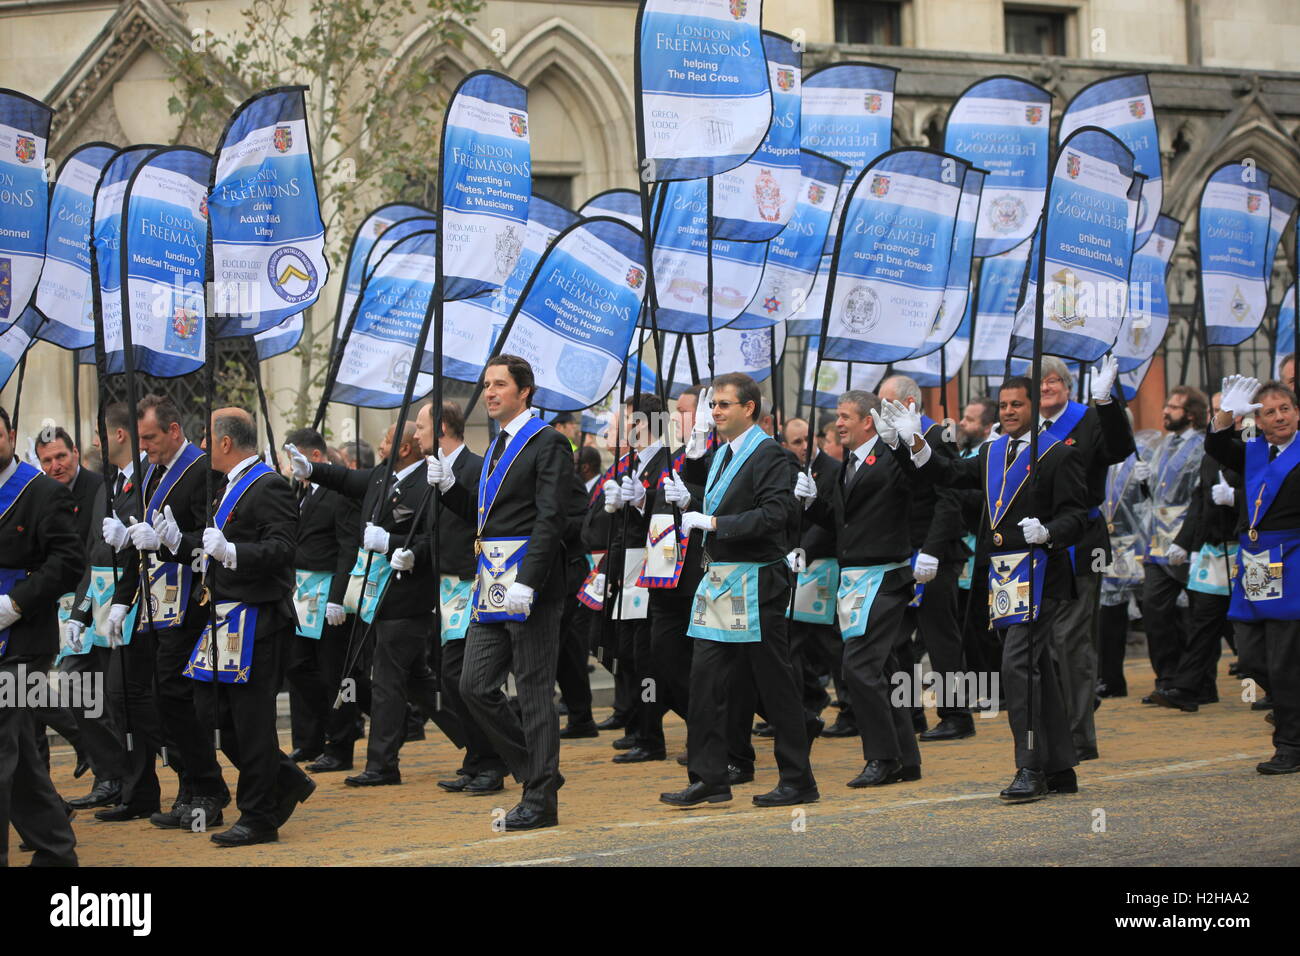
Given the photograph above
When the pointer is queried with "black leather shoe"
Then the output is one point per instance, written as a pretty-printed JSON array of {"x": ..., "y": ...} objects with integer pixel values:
[
  {"x": 951, "y": 728},
  {"x": 241, "y": 835},
  {"x": 786, "y": 796},
  {"x": 1063, "y": 781},
  {"x": 526, "y": 818},
  {"x": 576, "y": 731},
  {"x": 288, "y": 802},
  {"x": 204, "y": 814},
  {"x": 328, "y": 764},
  {"x": 80, "y": 769},
  {"x": 374, "y": 778},
  {"x": 763, "y": 729},
  {"x": 1270, "y": 719},
  {"x": 486, "y": 782},
  {"x": 1106, "y": 690},
  {"x": 1279, "y": 763},
  {"x": 626, "y": 742},
  {"x": 1086, "y": 753},
  {"x": 919, "y": 724},
  {"x": 841, "y": 728},
  {"x": 736, "y": 776},
  {"x": 1177, "y": 699},
  {"x": 105, "y": 793},
  {"x": 1028, "y": 785},
  {"x": 683, "y": 759},
  {"x": 1150, "y": 698},
  {"x": 458, "y": 785},
  {"x": 125, "y": 811},
  {"x": 1264, "y": 703},
  {"x": 300, "y": 755},
  {"x": 612, "y": 722},
  {"x": 171, "y": 819},
  {"x": 1234, "y": 669},
  {"x": 878, "y": 773},
  {"x": 697, "y": 793},
  {"x": 640, "y": 754}
]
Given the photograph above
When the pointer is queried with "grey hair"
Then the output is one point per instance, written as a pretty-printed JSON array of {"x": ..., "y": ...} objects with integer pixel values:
[
  {"x": 863, "y": 401},
  {"x": 904, "y": 388},
  {"x": 1055, "y": 366},
  {"x": 241, "y": 432}
]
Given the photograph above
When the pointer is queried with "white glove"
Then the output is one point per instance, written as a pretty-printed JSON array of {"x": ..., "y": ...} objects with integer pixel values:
[
  {"x": 675, "y": 491},
  {"x": 8, "y": 613},
  {"x": 519, "y": 599},
  {"x": 696, "y": 521},
  {"x": 299, "y": 463},
  {"x": 632, "y": 492},
  {"x": 904, "y": 419},
  {"x": 805, "y": 489},
  {"x": 1141, "y": 470},
  {"x": 403, "y": 559},
  {"x": 116, "y": 618},
  {"x": 926, "y": 568},
  {"x": 797, "y": 560},
  {"x": 335, "y": 614},
  {"x": 114, "y": 532},
  {"x": 1223, "y": 493},
  {"x": 1238, "y": 390},
  {"x": 887, "y": 432},
  {"x": 72, "y": 631},
  {"x": 438, "y": 472},
  {"x": 169, "y": 532},
  {"x": 1103, "y": 379},
  {"x": 1034, "y": 531},
  {"x": 143, "y": 536},
  {"x": 699, "y": 440},
  {"x": 215, "y": 544},
  {"x": 375, "y": 538},
  {"x": 1176, "y": 555},
  {"x": 613, "y": 499}
]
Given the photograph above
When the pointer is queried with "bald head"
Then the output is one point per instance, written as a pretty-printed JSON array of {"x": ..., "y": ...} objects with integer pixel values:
[
  {"x": 900, "y": 388},
  {"x": 232, "y": 438},
  {"x": 407, "y": 451}
]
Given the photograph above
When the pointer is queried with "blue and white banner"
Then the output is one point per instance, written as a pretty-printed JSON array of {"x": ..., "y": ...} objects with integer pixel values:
[
  {"x": 1281, "y": 209},
  {"x": 16, "y": 340},
  {"x": 364, "y": 239},
  {"x": 930, "y": 372},
  {"x": 1131, "y": 381},
  {"x": 470, "y": 330},
  {"x": 1233, "y": 227},
  {"x": 283, "y": 338},
  {"x": 702, "y": 95},
  {"x": 1147, "y": 318},
  {"x": 1002, "y": 124},
  {"x": 268, "y": 238},
  {"x": 1121, "y": 105},
  {"x": 575, "y": 321},
  {"x": 735, "y": 350},
  {"x": 486, "y": 180},
  {"x": 891, "y": 258},
  {"x": 754, "y": 201},
  {"x": 836, "y": 378},
  {"x": 106, "y": 250},
  {"x": 794, "y": 256},
  {"x": 624, "y": 204},
  {"x": 24, "y": 200},
  {"x": 380, "y": 347},
  {"x": 1285, "y": 338},
  {"x": 546, "y": 220},
  {"x": 1001, "y": 279},
  {"x": 64, "y": 293},
  {"x": 1092, "y": 205},
  {"x": 956, "y": 293},
  {"x": 164, "y": 260}
]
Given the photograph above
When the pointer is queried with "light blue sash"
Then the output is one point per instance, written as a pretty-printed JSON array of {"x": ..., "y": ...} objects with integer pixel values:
[
  {"x": 1013, "y": 597},
  {"x": 857, "y": 592},
  {"x": 455, "y": 596},
  {"x": 719, "y": 480},
  {"x": 726, "y": 604},
  {"x": 310, "y": 595}
]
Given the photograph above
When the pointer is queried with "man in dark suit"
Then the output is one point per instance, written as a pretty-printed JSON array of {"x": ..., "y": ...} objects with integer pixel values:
[
  {"x": 576, "y": 621},
  {"x": 1265, "y": 600},
  {"x": 870, "y": 511},
  {"x": 174, "y": 489},
  {"x": 1020, "y": 546},
  {"x": 328, "y": 535},
  {"x": 482, "y": 771},
  {"x": 738, "y": 620},
  {"x": 403, "y": 575},
  {"x": 60, "y": 459},
  {"x": 520, "y": 516},
  {"x": 41, "y": 558},
  {"x": 249, "y": 581}
]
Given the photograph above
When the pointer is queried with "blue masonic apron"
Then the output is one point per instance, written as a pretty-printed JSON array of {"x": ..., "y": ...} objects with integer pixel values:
[
  {"x": 1267, "y": 586},
  {"x": 1015, "y": 577},
  {"x": 24, "y": 474},
  {"x": 236, "y": 622},
  {"x": 169, "y": 581}
]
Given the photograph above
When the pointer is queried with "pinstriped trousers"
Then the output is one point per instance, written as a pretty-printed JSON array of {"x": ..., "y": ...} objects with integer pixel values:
[{"x": 529, "y": 650}]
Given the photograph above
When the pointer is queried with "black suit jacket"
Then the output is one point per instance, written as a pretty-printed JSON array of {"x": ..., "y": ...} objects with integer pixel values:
[
  {"x": 693, "y": 475},
  {"x": 1101, "y": 439},
  {"x": 126, "y": 505},
  {"x": 936, "y": 522},
  {"x": 817, "y": 540},
  {"x": 455, "y": 536},
  {"x": 758, "y": 509},
  {"x": 85, "y": 490},
  {"x": 1206, "y": 522},
  {"x": 1227, "y": 448},
  {"x": 328, "y": 535},
  {"x": 532, "y": 502},
  {"x": 39, "y": 535},
  {"x": 871, "y": 514}
]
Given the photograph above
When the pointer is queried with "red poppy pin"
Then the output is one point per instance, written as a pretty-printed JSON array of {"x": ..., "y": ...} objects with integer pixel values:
[
  {"x": 127, "y": 487},
  {"x": 871, "y": 459},
  {"x": 1069, "y": 441}
]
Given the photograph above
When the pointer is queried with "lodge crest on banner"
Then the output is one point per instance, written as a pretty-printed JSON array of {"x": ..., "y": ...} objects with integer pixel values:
[
  {"x": 872, "y": 102},
  {"x": 879, "y": 185},
  {"x": 380, "y": 227},
  {"x": 816, "y": 193},
  {"x": 399, "y": 369},
  {"x": 519, "y": 124},
  {"x": 203, "y": 207},
  {"x": 754, "y": 348},
  {"x": 1063, "y": 293},
  {"x": 579, "y": 370},
  {"x": 6, "y": 286},
  {"x": 861, "y": 310},
  {"x": 1072, "y": 164},
  {"x": 508, "y": 247},
  {"x": 1138, "y": 108},
  {"x": 1033, "y": 115},
  {"x": 183, "y": 332},
  {"x": 635, "y": 276},
  {"x": 1006, "y": 213},
  {"x": 283, "y": 138},
  {"x": 1239, "y": 306},
  {"x": 25, "y": 149},
  {"x": 291, "y": 273},
  {"x": 785, "y": 79},
  {"x": 738, "y": 8},
  {"x": 1253, "y": 201},
  {"x": 767, "y": 193}
]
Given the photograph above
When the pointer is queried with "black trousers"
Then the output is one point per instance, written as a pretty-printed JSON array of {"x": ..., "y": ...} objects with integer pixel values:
[
  {"x": 1114, "y": 646},
  {"x": 529, "y": 742},
  {"x": 981, "y": 644},
  {"x": 191, "y": 751},
  {"x": 1197, "y": 665},
  {"x": 938, "y": 631},
  {"x": 245, "y": 713},
  {"x": 1281, "y": 646},
  {"x": 648, "y": 725},
  {"x": 575, "y": 634},
  {"x": 480, "y": 755},
  {"x": 870, "y": 661},
  {"x": 809, "y": 665},
  {"x": 401, "y": 674},
  {"x": 1252, "y": 654},
  {"x": 671, "y": 648},
  {"x": 131, "y": 691},
  {"x": 94, "y": 735},
  {"x": 315, "y": 668},
  {"x": 1164, "y": 621},
  {"x": 27, "y": 797},
  {"x": 1039, "y": 696}
]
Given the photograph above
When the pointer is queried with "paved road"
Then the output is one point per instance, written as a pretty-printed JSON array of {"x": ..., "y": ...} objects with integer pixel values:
[{"x": 1170, "y": 788}]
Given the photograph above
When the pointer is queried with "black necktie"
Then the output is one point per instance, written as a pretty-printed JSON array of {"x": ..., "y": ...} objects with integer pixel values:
[
  {"x": 154, "y": 480},
  {"x": 1013, "y": 449},
  {"x": 118, "y": 482},
  {"x": 1272, "y": 452},
  {"x": 726, "y": 460},
  {"x": 498, "y": 449},
  {"x": 850, "y": 469}
]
